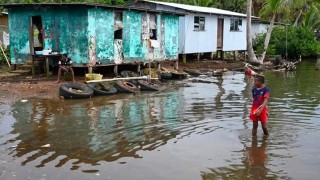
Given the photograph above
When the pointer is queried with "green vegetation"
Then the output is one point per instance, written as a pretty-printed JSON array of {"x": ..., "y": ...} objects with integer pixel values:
[
  {"x": 2, "y": 58},
  {"x": 300, "y": 41}
]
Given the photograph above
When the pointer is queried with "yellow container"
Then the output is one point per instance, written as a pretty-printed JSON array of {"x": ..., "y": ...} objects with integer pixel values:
[{"x": 93, "y": 76}]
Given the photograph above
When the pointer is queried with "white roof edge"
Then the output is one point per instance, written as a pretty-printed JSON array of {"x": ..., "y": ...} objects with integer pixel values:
[
  {"x": 4, "y": 12},
  {"x": 200, "y": 9}
]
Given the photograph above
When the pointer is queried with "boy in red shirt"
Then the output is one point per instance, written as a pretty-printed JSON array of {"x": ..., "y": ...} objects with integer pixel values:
[{"x": 259, "y": 110}]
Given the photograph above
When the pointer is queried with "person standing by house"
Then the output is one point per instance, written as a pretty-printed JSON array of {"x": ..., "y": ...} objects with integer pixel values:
[
  {"x": 65, "y": 65},
  {"x": 259, "y": 110}
]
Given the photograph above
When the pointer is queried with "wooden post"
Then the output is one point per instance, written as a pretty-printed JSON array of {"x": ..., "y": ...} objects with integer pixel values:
[
  {"x": 4, "y": 54},
  {"x": 184, "y": 58},
  {"x": 32, "y": 69},
  {"x": 176, "y": 65},
  {"x": 115, "y": 70},
  {"x": 198, "y": 56},
  {"x": 138, "y": 68},
  {"x": 245, "y": 55},
  {"x": 47, "y": 66},
  {"x": 211, "y": 55},
  {"x": 222, "y": 55},
  {"x": 158, "y": 66},
  {"x": 234, "y": 55},
  {"x": 90, "y": 69}
]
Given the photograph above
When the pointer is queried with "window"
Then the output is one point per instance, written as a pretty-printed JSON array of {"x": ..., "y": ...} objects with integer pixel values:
[
  {"x": 235, "y": 24},
  {"x": 199, "y": 23}
]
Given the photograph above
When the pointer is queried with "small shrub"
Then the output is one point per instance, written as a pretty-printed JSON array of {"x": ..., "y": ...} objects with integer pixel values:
[{"x": 300, "y": 41}]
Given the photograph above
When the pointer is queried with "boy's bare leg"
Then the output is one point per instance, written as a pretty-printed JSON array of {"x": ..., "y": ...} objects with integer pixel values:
[
  {"x": 59, "y": 75},
  {"x": 254, "y": 128},
  {"x": 265, "y": 128}
]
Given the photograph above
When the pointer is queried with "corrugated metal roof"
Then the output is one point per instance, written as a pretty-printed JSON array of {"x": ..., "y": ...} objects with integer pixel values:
[
  {"x": 90, "y": 4},
  {"x": 199, "y": 8}
]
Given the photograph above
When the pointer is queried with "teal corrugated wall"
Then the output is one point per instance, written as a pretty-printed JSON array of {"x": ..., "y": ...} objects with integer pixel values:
[
  {"x": 132, "y": 44},
  {"x": 87, "y": 34},
  {"x": 101, "y": 35},
  {"x": 65, "y": 30},
  {"x": 19, "y": 36},
  {"x": 171, "y": 25},
  {"x": 159, "y": 53},
  {"x": 77, "y": 33}
]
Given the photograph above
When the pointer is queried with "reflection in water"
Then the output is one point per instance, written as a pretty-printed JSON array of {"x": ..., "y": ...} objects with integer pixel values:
[
  {"x": 257, "y": 158},
  {"x": 90, "y": 131}
]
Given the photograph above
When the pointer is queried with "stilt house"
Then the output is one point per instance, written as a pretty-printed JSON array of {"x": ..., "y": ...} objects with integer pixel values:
[
  {"x": 204, "y": 29},
  {"x": 92, "y": 34}
]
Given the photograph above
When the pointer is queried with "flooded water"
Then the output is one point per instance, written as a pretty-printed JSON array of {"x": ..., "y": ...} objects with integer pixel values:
[{"x": 196, "y": 129}]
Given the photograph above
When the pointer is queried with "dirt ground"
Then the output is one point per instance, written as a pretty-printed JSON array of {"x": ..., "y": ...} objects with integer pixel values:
[{"x": 25, "y": 87}]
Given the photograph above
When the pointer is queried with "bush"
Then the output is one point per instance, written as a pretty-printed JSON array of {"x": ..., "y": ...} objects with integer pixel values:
[{"x": 300, "y": 41}]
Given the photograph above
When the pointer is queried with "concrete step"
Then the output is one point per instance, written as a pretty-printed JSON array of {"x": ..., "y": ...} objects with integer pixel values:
[
  {"x": 35, "y": 62},
  {"x": 8, "y": 74},
  {"x": 38, "y": 67},
  {"x": 22, "y": 72},
  {"x": 25, "y": 66}
]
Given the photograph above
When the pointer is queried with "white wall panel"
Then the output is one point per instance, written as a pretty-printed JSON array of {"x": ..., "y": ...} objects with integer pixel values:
[{"x": 234, "y": 40}]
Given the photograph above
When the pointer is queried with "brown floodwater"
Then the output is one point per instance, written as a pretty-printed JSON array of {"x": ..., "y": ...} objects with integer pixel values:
[{"x": 196, "y": 128}]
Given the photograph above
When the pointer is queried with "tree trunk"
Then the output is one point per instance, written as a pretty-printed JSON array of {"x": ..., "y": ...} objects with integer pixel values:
[
  {"x": 297, "y": 19},
  {"x": 251, "y": 56},
  {"x": 266, "y": 41}
]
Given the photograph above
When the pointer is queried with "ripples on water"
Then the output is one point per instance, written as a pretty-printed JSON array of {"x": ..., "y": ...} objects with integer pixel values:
[{"x": 192, "y": 130}]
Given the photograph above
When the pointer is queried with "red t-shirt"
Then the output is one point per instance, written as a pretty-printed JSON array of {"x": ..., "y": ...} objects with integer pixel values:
[{"x": 258, "y": 95}]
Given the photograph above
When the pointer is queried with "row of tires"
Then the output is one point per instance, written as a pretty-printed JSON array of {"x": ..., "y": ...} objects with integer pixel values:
[{"x": 79, "y": 91}]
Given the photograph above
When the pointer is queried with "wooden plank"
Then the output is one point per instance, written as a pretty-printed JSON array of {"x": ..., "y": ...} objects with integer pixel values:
[
  {"x": 4, "y": 54},
  {"x": 116, "y": 79}
]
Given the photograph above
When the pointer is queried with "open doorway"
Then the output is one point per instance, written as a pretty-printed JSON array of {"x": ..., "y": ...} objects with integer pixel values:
[
  {"x": 36, "y": 34},
  {"x": 118, "y": 37},
  {"x": 153, "y": 26},
  {"x": 118, "y": 25},
  {"x": 220, "y": 34}
]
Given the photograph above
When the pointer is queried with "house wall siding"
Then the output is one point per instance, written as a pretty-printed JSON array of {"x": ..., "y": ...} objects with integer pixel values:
[
  {"x": 101, "y": 36},
  {"x": 132, "y": 43},
  {"x": 86, "y": 34},
  {"x": 234, "y": 40},
  {"x": 19, "y": 36},
  {"x": 64, "y": 30},
  {"x": 171, "y": 36},
  {"x": 4, "y": 19},
  {"x": 200, "y": 41},
  {"x": 3, "y": 25},
  {"x": 191, "y": 41},
  {"x": 258, "y": 28}
]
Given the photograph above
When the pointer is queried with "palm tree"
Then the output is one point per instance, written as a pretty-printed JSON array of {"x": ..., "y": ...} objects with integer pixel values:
[
  {"x": 302, "y": 6},
  {"x": 251, "y": 56},
  {"x": 312, "y": 18},
  {"x": 270, "y": 9}
]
